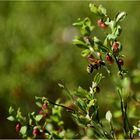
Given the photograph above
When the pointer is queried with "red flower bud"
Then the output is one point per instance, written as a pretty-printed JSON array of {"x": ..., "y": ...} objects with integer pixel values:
[
  {"x": 18, "y": 126},
  {"x": 109, "y": 59},
  {"x": 115, "y": 47},
  {"x": 101, "y": 24},
  {"x": 120, "y": 61},
  {"x": 36, "y": 131},
  {"x": 41, "y": 112},
  {"x": 45, "y": 106}
]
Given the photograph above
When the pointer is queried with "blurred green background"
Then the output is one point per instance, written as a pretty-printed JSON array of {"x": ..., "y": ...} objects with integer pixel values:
[{"x": 36, "y": 51}]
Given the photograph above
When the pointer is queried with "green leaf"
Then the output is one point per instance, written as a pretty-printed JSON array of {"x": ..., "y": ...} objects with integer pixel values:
[
  {"x": 99, "y": 45},
  {"x": 61, "y": 85},
  {"x": 79, "y": 43},
  {"x": 80, "y": 119},
  {"x": 19, "y": 112},
  {"x": 19, "y": 116},
  {"x": 103, "y": 48},
  {"x": 91, "y": 103},
  {"x": 39, "y": 104},
  {"x": 108, "y": 116},
  {"x": 81, "y": 92},
  {"x": 120, "y": 16},
  {"x": 81, "y": 104},
  {"x": 118, "y": 30},
  {"x": 56, "y": 110},
  {"x": 100, "y": 131},
  {"x": 111, "y": 36},
  {"x": 55, "y": 118},
  {"x": 93, "y": 8},
  {"x": 120, "y": 47},
  {"x": 83, "y": 120},
  {"x": 102, "y": 10},
  {"x": 11, "y": 110},
  {"x": 97, "y": 41},
  {"x": 99, "y": 11},
  {"x": 23, "y": 131},
  {"x": 38, "y": 98},
  {"x": 38, "y": 101},
  {"x": 85, "y": 26},
  {"x": 78, "y": 23},
  {"x": 38, "y": 117},
  {"x": 85, "y": 30},
  {"x": 55, "y": 135},
  {"x": 60, "y": 123},
  {"x": 97, "y": 78},
  {"x": 11, "y": 118},
  {"x": 31, "y": 117},
  {"x": 85, "y": 52},
  {"x": 106, "y": 44},
  {"x": 112, "y": 24},
  {"x": 49, "y": 127},
  {"x": 87, "y": 22}
]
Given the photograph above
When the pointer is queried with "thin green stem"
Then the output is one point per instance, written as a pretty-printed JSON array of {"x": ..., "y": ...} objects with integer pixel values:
[
  {"x": 67, "y": 108},
  {"x": 128, "y": 124},
  {"x": 123, "y": 113},
  {"x": 100, "y": 131},
  {"x": 69, "y": 93},
  {"x": 97, "y": 116},
  {"x": 112, "y": 130},
  {"x": 119, "y": 66},
  {"x": 125, "y": 117}
]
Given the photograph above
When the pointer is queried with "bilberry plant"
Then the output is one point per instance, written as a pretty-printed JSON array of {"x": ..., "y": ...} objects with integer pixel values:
[{"x": 85, "y": 110}]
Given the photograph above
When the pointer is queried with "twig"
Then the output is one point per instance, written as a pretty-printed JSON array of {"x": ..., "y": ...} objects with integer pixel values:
[
  {"x": 67, "y": 108},
  {"x": 119, "y": 66},
  {"x": 123, "y": 112},
  {"x": 112, "y": 130},
  {"x": 129, "y": 127}
]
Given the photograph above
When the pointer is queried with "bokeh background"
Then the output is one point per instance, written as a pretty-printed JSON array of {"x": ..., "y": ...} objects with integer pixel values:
[{"x": 36, "y": 52}]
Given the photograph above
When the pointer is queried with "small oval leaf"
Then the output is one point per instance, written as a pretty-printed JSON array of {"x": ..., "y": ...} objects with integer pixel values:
[
  {"x": 11, "y": 118},
  {"x": 23, "y": 130},
  {"x": 38, "y": 117},
  {"x": 120, "y": 16},
  {"x": 108, "y": 115}
]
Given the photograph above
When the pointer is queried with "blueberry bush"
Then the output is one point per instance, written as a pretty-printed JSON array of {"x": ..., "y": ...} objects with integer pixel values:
[{"x": 102, "y": 54}]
